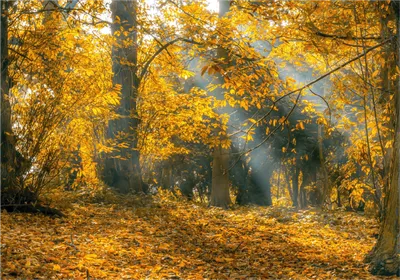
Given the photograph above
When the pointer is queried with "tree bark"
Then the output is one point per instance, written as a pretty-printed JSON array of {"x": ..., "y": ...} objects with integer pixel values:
[
  {"x": 220, "y": 180},
  {"x": 124, "y": 173},
  {"x": 8, "y": 161},
  {"x": 295, "y": 184},
  {"x": 384, "y": 258},
  {"x": 239, "y": 178},
  {"x": 289, "y": 185},
  {"x": 326, "y": 194},
  {"x": 303, "y": 193}
]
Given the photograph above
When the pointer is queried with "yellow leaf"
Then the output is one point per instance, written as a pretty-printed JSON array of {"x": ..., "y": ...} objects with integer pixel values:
[
  {"x": 163, "y": 246},
  {"x": 56, "y": 267},
  {"x": 90, "y": 256}
]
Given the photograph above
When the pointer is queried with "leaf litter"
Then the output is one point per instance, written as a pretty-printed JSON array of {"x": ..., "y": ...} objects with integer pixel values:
[{"x": 163, "y": 238}]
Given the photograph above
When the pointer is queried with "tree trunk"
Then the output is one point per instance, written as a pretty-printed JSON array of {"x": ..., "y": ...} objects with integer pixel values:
[
  {"x": 220, "y": 180},
  {"x": 239, "y": 178},
  {"x": 259, "y": 190},
  {"x": 8, "y": 161},
  {"x": 278, "y": 184},
  {"x": 166, "y": 176},
  {"x": 315, "y": 194},
  {"x": 289, "y": 185},
  {"x": 303, "y": 194},
  {"x": 326, "y": 194},
  {"x": 295, "y": 184},
  {"x": 384, "y": 257},
  {"x": 388, "y": 85},
  {"x": 124, "y": 173},
  {"x": 339, "y": 202}
]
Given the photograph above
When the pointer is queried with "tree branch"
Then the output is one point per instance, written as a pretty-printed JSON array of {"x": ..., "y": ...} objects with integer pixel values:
[
  {"x": 162, "y": 48},
  {"x": 300, "y": 90},
  {"x": 325, "y": 35}
]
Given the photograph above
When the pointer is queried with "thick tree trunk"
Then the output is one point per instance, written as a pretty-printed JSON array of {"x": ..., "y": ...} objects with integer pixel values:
[
  {"x": 220, "y": 179},
  {"x": 388, "y": 85},
  {"x": 8, "y": 161},
  {"x": 384, "y": 258},
  {"x": 14, "y": 195},
  {"x": 124, "y": 173}
]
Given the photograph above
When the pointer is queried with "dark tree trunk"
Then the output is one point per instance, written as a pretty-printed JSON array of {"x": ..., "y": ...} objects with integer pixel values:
[
  {"x": 339, "y": 201},
  {"x": 289, "y": 185},
  {"x": 303, "y": 193},
  {"x": 278, "y": 183},
  {"x": 187, "y": 185},
  {"x": 9, "y": 177},
  {"x": 124, "y": 173},
  {"x": 384, "y": 258},
  {"x": 239, "y": 176},
  {"x": 14, "y": 195},
  {"x": 260, "y": 187},
  {"x": 253, "y": 187},
  {"x": 167, "y": 176},
  {"x": 326, "y": 193},
  {"x": 295, "y": 185},
  {"x": 315, "y": 194}
]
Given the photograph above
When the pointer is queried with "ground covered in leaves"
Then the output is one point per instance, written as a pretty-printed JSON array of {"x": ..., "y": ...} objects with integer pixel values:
[{"x": 161, "y": 238}]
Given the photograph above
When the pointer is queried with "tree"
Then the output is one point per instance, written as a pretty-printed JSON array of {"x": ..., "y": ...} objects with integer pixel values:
[
  {"x": 12, "y": 163},
  {"x": 220, "y": 177},
  {"x": 123, "y": 171},
  {"x": 384, "y": 258},
  {"x": 61, "y": 86}
]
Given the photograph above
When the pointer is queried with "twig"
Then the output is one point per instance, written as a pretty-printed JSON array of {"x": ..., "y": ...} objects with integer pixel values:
[
  {"x": 237, "y": 247},
  {"x": 73, "y": 245}
]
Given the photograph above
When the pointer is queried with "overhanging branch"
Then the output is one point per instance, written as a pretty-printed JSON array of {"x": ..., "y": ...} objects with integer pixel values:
[{"x": 160, "y": 50}]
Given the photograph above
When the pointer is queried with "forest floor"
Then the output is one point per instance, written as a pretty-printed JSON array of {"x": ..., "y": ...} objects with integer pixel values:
[{"x": 157, "y": 238}]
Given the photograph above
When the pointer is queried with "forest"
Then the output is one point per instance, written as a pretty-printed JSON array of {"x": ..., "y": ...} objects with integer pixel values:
[{"x": 200, "y": 139}]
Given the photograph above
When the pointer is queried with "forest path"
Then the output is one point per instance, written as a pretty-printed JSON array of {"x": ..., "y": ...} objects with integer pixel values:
[{"x": 170, "y": 239}]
